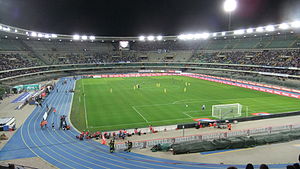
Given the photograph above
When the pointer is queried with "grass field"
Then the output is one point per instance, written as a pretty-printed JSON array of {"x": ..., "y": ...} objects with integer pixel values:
[{"x": 114, "y": 103}]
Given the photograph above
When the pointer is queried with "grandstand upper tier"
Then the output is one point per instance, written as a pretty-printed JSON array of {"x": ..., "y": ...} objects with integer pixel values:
[
  {"x": 278, "y": 54},
  {"x": 258, "y": 50}
]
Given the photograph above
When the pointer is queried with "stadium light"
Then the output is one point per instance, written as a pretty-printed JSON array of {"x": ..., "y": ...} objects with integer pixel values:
[
  {"x": 16, "y": 30},
  {"x": 284, "y": 26},
  {"x": 205, "y": 35},
  {"x": 6, "y": 29},
  {"x": 92, "y": 37},
  {"x": 259, "y": 29},
  {"x": 142, "y": 38},
  {"x": 181, "y": 37},
  {"x": 53, "y": 35},
  {"x": 33, "y": 34},
  {"x": 250, "y": 30},
  {"x": 159, "y": 37},
  {"x": 270, "y": 28},
  {"x": 230, "y": 5},
  {"x": 47, "y": 35},
  {"x": 40, "y": 35},
  {"x": 295, "y": 24},
  {"x": 150, "y": 38},
  {"x": 76, "y": 37},
  {"x": 214, "y": 34},
  {"x": 189, "y": 36},
  {"x": 84, "y": 37},
  {"x": 223, "y": 33},
  {"x": 239, "y": 32},
  {"x": 198, "y": 36}
]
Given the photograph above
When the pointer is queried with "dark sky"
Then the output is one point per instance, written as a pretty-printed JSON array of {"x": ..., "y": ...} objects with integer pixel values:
[{"x": 136, "y": 17}]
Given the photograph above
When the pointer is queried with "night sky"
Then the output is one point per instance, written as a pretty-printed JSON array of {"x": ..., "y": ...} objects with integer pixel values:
[{"x": 137, "y": 17}]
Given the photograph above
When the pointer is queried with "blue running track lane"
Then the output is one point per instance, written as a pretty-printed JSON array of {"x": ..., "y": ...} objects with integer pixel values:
[
  {"x": 21, "y": 98},
  {"x": 63, "y": 150}
]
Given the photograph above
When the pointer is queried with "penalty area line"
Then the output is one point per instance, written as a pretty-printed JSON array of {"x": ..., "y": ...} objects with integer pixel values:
[
  {"x": 140, "y": 114},
  {"x": 186, "y": 113}
]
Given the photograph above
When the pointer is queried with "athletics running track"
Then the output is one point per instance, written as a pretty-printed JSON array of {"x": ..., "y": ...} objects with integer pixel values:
[{"x": 63, "y": 150}]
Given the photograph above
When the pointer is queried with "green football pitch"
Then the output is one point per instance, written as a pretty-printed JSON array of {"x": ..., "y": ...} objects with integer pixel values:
[{"x": 116, "y": 103}]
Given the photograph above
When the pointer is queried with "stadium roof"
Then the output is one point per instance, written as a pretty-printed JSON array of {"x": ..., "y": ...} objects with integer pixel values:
[{"x": 252, "y": 31}]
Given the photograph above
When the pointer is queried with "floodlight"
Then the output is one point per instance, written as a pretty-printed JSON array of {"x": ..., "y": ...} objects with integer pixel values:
[
  {"x": 53, "y": 35},
  {"x": 40, "y": 35},
  {"x": 295, "y": 24},
  {"x": 150, "y": 38},
  {"x": 198, "y": 36},
  {"x": 250, "y": 30},
  {"x": 239, "y": 32},
  {"x": 39, "y": 39},
  {"x": 284, "y": 26},
  {"x": 47, "y": 35},
  {"x": 230, "y": 5},
  {"x": 270, "y": 28},
  {"x": 214, "y": 34},
  {"x": 5, "y": 36},
  {"x": 16, "y": 30},
  {"x": 259, "y": 29},
  {"x": 27, "y": 33},
  {"x": 142, "y": 38},
  {"x": 223, "y": 33},
  {"x": 205, "y": 35},
  {"x": 84, "y": 37},
  {"x": 17, "y": 37},
  {"x": 159, "y": 37},
  {"x": 6, "y": 29},
  {"x": 33, "y": 34},
  {"x": 181, "y": 37},
  {"x": 92, "y": 37},
  {"x": 189, "y": 36},
  {"x": 76, "y": 37}
]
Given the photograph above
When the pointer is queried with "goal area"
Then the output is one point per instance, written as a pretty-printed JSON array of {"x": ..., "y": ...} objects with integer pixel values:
[{"x": 227, "y": 111}]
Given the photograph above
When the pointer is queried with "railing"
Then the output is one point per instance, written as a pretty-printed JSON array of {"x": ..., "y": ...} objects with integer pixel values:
[{"x": 211, "y": 136}]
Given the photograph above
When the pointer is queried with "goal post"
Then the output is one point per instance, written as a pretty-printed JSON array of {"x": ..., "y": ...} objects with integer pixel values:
[{"x": 227, "y": 111}]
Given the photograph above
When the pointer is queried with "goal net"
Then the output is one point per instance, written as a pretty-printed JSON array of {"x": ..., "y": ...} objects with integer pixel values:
[{"x": 227, "y": 111}]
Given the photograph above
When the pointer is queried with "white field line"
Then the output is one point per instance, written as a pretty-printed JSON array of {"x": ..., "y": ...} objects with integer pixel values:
[
  {"x": 86, "y": 119},
  {"x": 140, "y": 114},
  {"x": 186, "y": 113},
  {"x": 196, "y": 101},
  {"x": 138, "y": 123}
]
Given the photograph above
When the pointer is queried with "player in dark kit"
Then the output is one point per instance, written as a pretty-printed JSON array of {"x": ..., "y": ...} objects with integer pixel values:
[{"x": 112, "y": 146}]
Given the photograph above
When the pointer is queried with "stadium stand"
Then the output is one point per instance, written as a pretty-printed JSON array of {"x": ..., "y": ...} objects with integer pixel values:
[{"x": 228, "y": 57}]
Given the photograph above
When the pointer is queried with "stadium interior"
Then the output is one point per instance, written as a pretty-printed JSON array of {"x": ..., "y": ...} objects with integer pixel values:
[{"x": 269, "y": 57}]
